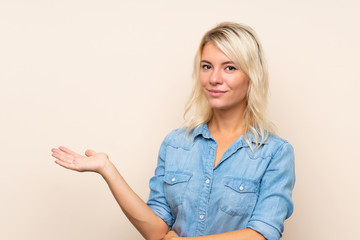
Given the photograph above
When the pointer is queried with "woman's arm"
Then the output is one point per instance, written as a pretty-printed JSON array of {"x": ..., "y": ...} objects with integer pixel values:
[
  {"x": 244, "y": 234},
  {"x": 137, "y": 211}
]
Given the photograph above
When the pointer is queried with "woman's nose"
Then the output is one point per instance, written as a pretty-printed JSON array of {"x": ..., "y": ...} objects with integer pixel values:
[{"x": 215, "y": 77}]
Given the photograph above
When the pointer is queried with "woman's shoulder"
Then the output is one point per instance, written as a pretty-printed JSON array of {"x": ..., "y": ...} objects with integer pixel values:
[
  {"x": 275, "y": 140},
  {"x": 178, "y": 138},
  {"x": 273, "y": 145}
]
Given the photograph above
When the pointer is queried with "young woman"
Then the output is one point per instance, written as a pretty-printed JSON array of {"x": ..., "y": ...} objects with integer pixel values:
[{"x": 225, "y": 175}]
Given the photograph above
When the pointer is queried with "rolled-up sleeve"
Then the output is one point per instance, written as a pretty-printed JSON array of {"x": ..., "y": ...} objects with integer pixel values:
[
  {"x": 274, "y": 203},
  {"x": 157, "y": 200}
]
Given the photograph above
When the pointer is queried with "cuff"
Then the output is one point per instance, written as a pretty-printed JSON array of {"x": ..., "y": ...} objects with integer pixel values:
[
  {"x": 163, "y": 215},
  {"x": 268, "y": 231}
]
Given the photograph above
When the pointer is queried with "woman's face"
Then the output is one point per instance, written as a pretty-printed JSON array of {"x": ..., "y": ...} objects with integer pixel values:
[{"x": 224, "y": 84}]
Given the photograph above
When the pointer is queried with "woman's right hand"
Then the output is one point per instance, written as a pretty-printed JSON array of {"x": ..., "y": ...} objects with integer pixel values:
[
  {"x": 92, "y": 161},
  {"x": 136, "y": 210}
]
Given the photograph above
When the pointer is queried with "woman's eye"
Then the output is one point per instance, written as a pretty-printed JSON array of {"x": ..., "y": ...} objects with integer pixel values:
[
  {"x": 205, "y": 67},
  {"x": 231, "y": 68}
]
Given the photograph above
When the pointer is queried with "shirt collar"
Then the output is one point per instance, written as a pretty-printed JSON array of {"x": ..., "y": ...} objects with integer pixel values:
[{"x": 204, "y": 131}]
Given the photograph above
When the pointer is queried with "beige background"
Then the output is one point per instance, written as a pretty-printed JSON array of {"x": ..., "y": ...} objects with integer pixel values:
[{"x": 114, "y": 76}]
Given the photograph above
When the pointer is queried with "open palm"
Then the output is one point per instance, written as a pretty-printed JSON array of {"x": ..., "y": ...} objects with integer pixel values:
[{"x": 92, "y": 161}]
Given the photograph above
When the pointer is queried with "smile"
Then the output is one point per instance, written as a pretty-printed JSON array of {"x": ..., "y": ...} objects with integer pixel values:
[{"x": 216, "y": 93}]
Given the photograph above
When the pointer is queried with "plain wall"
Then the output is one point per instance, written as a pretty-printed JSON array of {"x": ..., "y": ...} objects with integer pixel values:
[{"x": 114, "y": 76}]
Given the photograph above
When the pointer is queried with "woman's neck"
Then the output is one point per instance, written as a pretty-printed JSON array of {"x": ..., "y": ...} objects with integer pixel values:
[{"x": 226, "y": 122}]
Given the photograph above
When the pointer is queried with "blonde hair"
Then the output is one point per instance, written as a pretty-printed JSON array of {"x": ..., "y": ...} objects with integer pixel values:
[{"x": 241, "y": 44}]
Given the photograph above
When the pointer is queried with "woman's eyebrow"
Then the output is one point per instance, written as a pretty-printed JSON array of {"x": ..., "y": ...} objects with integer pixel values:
[
  {"x": 228, "y": 62},
  {"x": 205, "y": 61},
  {"x": 224, "y": 63}
]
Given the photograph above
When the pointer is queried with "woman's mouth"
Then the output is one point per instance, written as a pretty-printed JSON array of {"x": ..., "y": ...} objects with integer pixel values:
[{"x": 216, "y": 93}]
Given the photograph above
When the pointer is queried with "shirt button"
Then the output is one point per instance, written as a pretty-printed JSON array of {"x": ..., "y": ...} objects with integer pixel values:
[
  {"x": 207, "y": 181},
  {"x": 173, "y": 179},
  {"x": 211, "y": 151},
  {"x": 241, "y": 188},
  {"x": 201, "y": 217}
]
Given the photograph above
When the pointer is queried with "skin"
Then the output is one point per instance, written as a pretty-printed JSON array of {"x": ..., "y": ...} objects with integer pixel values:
[
  {"x": 225, "y": 86},
  {"x": 244, "y": 234},
  {"x": 219, "y": 73}
]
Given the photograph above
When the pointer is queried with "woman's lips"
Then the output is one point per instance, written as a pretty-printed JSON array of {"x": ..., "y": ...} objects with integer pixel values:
[{"x": 216, "y": 93}]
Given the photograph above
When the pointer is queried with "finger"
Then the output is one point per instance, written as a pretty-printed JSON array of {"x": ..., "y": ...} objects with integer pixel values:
[
  {"x": 62, "y": 156},
  {"x": 67, "y": 150},
  {"x": 66, "y": 161},
  {"x": 89, "y": 152}
]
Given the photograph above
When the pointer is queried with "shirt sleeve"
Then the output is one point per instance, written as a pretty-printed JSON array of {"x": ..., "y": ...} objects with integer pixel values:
[
  {"x": 157, "y": 199},
  {"x": 274, "y": 203}
]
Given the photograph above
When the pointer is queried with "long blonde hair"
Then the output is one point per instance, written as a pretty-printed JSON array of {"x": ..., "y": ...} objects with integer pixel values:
[{"x": 241, "y": 44}]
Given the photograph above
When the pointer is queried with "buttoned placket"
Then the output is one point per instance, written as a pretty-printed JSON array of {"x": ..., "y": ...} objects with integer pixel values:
[
  {"x": 208, "y": 163},
  {"x": 206, "y": 189}
]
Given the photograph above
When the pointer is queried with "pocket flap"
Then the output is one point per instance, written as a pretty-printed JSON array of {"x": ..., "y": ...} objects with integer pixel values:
[
  {"x": 242, "y": 185},
  {"x": 176, "y": 177}
]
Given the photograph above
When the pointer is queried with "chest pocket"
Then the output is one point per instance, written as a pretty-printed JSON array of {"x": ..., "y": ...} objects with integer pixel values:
[
  {"x": 240, "y": 196},
  {"x": 175, "y": 184}
]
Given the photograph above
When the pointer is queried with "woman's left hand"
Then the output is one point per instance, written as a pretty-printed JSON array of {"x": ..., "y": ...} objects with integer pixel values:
[{"x": 171, "y": 235}]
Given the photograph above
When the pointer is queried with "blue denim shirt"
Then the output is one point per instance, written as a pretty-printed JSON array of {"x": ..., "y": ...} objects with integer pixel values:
[{"x": 245, "y": 190}]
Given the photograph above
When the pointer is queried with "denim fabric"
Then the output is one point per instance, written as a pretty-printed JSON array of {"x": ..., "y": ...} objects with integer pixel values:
[{"x": 245, "y": 190}]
